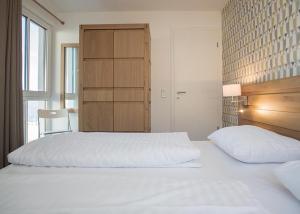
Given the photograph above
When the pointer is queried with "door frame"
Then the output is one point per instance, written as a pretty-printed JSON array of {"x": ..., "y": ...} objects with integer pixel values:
[{"x": 172, "y": 64}]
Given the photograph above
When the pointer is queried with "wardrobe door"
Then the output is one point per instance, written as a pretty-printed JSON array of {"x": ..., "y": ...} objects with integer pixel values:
[
  {"x": 98, "y": 95},
  {"x": 129, "y": 95},
  {"x": 98, "y": 44},
  {"x": 129, "y": 116},
  {"x": 96, "y": 80},
  {"x": 129, "y": 43}
]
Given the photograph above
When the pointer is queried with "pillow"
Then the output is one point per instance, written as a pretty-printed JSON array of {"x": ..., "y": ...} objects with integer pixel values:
[
  {"x": 289, "y": 176},
  {"x": 251, "y": 144},
  {"x": 98, "y": 149}
]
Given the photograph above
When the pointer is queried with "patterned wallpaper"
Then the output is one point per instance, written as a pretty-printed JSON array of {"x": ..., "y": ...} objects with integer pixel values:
[{"x": 261, "y": 42}]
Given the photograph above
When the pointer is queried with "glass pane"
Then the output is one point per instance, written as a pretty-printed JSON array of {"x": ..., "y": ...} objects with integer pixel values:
[
  {"x": 71, "y": 66},
  {"x": 71, "y": 104},
  {"x": 32, "y": 119},
  {"x": 24, "y": 52},
  {"x": 37, "y": 61}
]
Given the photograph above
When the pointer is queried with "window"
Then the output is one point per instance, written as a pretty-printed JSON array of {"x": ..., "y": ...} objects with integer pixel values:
[
  {"x": 24, "y": 48},
  {"x": 31, "y": 118},
  {"x": 37, "y": 62},
  {"x": 69, "y": 76},
  {"x": 70, "y": 70},
  {"x": 35, "y": 53}
]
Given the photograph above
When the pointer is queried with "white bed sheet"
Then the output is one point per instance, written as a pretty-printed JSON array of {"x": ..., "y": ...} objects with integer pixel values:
[{"x": 218, "y": 171}]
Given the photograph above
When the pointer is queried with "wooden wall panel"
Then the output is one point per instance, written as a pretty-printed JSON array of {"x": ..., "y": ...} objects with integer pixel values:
[
  {"x": 98, "y": 73},
  {"x": 289, "y": 120},
  {"x": 98, "y": 94},
  {"x": 274, "y": 105},
  {"x": 288, "y": 85},
  {"x": 129, "y": 73},
  {"x": 129, "y": 43},
  {"x": 98, "y": 116},
  {"x": 129, "y": 94},
  {"x": 129, "y": 116},
  {"x": 276, "y": 102},
  {"x": 98, "y": 44}
]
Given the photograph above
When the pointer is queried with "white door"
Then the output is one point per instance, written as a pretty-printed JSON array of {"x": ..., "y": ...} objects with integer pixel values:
[{"x": 197, "y": 67}]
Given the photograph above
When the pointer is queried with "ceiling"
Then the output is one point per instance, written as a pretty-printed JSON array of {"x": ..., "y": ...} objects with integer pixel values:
[{"x": 132, "y": 5}]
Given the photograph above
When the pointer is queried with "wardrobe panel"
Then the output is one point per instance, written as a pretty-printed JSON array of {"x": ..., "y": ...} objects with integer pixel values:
[
  {"x": 98, "y": 94},
  {"x": 129, "y": 43},
  {"x": 128, "y": 73},
  {"x": 98, "y": 116},
  {"x": 98, "y": 44},
  {"x": 129, "y": 116},
  {"x": 98, "y": 73},
  {"x": 128, "y": 94}
]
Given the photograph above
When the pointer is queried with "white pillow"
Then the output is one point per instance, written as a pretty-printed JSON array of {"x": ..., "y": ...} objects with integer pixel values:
[
  {"x": 289, "y": 176},
  {"x": 252, "y": 144},
  {"x": 107, "y": 150}
]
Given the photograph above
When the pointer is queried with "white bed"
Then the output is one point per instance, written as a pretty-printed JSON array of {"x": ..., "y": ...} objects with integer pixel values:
[{"x": 220, "y": 181}]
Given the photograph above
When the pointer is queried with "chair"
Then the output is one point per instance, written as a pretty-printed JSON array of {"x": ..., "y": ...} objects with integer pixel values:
[{"x": 52, "y": 114}]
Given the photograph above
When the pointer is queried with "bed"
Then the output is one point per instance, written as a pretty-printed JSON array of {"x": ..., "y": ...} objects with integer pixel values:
[
  {"x": 219, "y": 184},
  {"x": 89, "y": 190}
]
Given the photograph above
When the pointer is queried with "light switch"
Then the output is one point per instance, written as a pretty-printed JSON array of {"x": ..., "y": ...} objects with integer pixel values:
[{"x": 163, "y": 93}]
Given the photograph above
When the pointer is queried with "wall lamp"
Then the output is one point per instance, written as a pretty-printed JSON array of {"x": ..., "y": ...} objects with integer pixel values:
[{"x": 234, "y": 90}]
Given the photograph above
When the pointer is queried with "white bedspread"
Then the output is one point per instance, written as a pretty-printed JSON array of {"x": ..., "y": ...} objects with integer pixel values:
[{"x": 223, "y": 185}]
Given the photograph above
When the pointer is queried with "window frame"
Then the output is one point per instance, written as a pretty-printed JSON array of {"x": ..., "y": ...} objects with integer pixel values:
[
  {"x": 39, "y": 95},
  {"x": 36, "y": 95},
  {"x": 63, "y": 95}
]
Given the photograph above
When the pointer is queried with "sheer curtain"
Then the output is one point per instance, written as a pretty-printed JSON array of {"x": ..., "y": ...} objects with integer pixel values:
[{"x": 11, "y": 105}]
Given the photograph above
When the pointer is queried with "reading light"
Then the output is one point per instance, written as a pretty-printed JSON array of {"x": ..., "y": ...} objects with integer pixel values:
[{"x": 232, "y": 90}]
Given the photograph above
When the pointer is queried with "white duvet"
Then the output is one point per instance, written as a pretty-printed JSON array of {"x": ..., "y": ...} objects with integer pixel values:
[
  {"x": 107, "y": 150},
  {"x": 106, "y": 193}
]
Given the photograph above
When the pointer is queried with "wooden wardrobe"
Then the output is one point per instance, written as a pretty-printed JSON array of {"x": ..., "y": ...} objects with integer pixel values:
[{"x": 114, "y": 78}]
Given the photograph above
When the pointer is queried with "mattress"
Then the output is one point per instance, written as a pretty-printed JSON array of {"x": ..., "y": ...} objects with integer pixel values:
[{"x": 221, "y": 179}]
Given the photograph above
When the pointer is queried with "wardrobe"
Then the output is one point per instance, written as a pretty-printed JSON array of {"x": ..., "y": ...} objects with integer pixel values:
[{"x": 114, "y": 78}]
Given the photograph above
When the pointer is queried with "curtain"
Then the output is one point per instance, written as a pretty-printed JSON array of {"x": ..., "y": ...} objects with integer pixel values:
[{"x": 11, "y": 104}]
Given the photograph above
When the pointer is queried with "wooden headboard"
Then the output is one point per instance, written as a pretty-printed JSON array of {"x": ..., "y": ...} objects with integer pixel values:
[{"x": 274, "y": 105}]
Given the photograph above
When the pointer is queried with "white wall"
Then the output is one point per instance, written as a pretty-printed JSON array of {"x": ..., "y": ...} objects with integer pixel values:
[{"x": 161, "y": 25}]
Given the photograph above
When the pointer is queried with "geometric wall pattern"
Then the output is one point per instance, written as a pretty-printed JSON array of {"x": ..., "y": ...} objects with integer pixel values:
[{"x": 261, "y": 42}]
